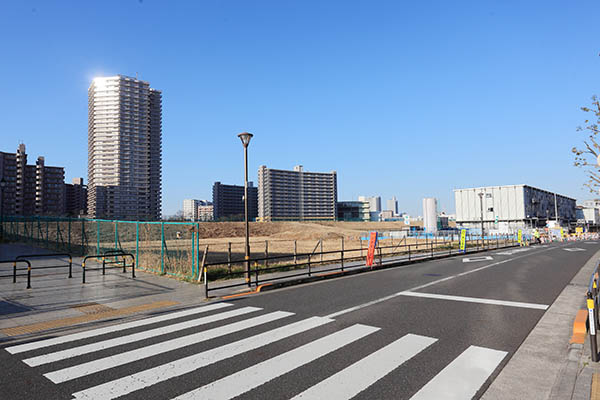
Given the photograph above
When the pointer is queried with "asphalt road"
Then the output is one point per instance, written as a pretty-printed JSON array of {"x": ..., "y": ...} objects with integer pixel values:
[{"x": 437, "y": 329}]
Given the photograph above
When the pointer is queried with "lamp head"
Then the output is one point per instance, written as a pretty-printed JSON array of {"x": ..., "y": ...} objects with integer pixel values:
[{"x": 245, "y": 138}]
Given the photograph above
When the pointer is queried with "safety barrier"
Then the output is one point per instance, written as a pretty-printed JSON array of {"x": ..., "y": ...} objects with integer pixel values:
[
  {"x": 396, "y": 254},
  {"x": 111, "y": 253},
  {"x": 592, "y": 307},
  {"x": 70, "y": 265},
  {"x": 15, "y": 269}
]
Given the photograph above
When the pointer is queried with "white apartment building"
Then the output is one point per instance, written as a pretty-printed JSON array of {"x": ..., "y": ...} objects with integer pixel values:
[
  {"x": 124, "y": 149},
  {"x": 296, "y": 195}
]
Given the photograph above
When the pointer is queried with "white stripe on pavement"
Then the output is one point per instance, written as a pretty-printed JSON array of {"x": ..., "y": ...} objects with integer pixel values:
[
  {"x": 359, "y": 376},
  {"x": 135, "y": 337},
  {"x": 113, "y": 328},
  {"x": 476, "y": 300},
  {"x": 462, "y": 377},
  {"x": 236, "y": 384},
  {"x": 127, "y": 357},
  {"x": 140, "y": 380}
]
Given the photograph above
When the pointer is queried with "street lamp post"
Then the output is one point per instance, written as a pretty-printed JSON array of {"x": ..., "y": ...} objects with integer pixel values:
[
  {"x": 481, "y": 209},
  {"x": 245, "y": 138}
]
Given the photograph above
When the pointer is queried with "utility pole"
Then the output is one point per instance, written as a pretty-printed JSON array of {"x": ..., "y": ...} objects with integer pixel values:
[{"x": 555, "y": 209}]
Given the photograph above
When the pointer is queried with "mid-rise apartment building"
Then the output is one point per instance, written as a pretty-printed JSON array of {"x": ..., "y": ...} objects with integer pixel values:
[
  {"x": 296, "y": 195},
  {"x": 8, "y": 183},
  {"x": 228, "y": 202},
  {"x": 30, "y": 189},
  {"x": 76, "y": 197},
  {"x": 124, "y": 149}
]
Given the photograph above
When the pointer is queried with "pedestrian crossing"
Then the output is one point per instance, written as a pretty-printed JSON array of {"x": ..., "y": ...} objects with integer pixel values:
[{"x": 167, "y": 348}]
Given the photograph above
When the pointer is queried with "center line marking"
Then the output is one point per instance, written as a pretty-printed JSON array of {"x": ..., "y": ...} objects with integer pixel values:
[
  {"x": 476, "y": 300},
  {"x": 391, "y": 296}
]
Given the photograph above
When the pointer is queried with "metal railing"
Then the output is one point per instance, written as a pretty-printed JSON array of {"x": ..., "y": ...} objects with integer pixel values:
[
  {"x": 69, "y": 265},
  {"x": 15, "y": 269},
  {"x": 305, "y": 264},
  {"x": 111, "y": 265}
]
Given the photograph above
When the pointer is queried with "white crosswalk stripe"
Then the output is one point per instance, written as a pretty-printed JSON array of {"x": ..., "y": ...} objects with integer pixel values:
[
  {"x": 105, "y": 363},
  {"x": 460, "y": 379},
  {"x": 140, "y": 380},
  {"x": 245, "y": 380},
  {"x": 352, "y": 380},
  {"x": 106, "y": 344},
  {"x": 113, "y": 328}
]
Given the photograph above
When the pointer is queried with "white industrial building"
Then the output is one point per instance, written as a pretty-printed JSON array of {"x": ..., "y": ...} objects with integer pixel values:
[{"x": 506, "y": 208}]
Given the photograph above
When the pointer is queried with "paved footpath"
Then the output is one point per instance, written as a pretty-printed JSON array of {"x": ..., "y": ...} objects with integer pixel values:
[{"x": 439, "y": 329}]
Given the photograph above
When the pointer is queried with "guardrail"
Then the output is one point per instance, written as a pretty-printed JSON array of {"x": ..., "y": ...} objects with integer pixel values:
[
  {"x": 70, "y": 265},
  {"x": 399, "y": 253},
  {"x": 111, "y": 253},
  {"x": 14, "y": 274},
  {"x": 592, "y": 306}
]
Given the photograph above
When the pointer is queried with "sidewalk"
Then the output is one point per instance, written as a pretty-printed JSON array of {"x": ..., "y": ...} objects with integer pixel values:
[{"x": 545, "y": 366}]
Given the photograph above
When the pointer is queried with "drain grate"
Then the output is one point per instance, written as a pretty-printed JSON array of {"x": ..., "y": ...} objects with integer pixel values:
[{"x": 91, "y": 308}]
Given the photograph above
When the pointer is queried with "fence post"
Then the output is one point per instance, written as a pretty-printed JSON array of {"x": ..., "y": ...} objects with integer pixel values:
[
  {"x": 592, "y": 326},
  {"x": 70, "y": 266},
  {"x": 309, "y": 265},
  {"x": 193, "y": 253},
  {"x": 380, "y": 258},
  {"x": 82, "y": 237},
  {"x": 103, "y": 265},
  {"x": 14, "y": 272},
  {"x": 162, "y": 248},
  {"x": 197, "y": 244},
  {"x": 321, "y": 243},
  {"x": 98, "y": 237},
  {"x": 266, "y": 258},
  {"x": 116, "y": 235},
  {"x": 229, "y": 256},
  {"x": 28, "y": 275},
  {"x": 342, "y": 253},
  {"x": 295, "y": 252}
]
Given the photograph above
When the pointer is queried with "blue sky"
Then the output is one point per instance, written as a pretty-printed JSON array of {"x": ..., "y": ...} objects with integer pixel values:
[{"x": 411, "y": 99}]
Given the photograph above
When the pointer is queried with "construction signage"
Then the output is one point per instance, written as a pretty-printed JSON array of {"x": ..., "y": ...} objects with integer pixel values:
[
  {"x": 371, "y": 252},
  {"x": 520, "y": 236},
  {"x": 463, "y": 240}
]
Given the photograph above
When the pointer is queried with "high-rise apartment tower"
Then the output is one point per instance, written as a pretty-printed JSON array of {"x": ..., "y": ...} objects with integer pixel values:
[{"x": 124, "y": 149}]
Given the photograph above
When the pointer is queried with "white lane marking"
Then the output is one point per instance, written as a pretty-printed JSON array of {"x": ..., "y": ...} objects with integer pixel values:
[
  {"x": 113, "y": 328},
  {"x": 462, "y": 377},
  {"x": 574, "y": 249},
  {"x": 142, "y": 379},
  {"x": 136, "y": 337},
  {"x": 127, "y": 357},
  {"x": 236, "y": 384},
  {"x": 511, "y": 252},
  {"x": 476, "y": 300},
  {"x": 476, "y": 259},
  {"x": 359, "y": 376},
  {"x": 391, "y": 296},
  {"x": 591, "y": 242}
]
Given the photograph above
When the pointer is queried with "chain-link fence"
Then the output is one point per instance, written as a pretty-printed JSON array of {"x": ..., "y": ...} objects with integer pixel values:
[{"x": 162, "y": 247}]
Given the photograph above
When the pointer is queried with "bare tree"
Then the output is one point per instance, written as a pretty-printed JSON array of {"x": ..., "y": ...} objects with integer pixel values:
[{"x": 586, "y": 157}]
